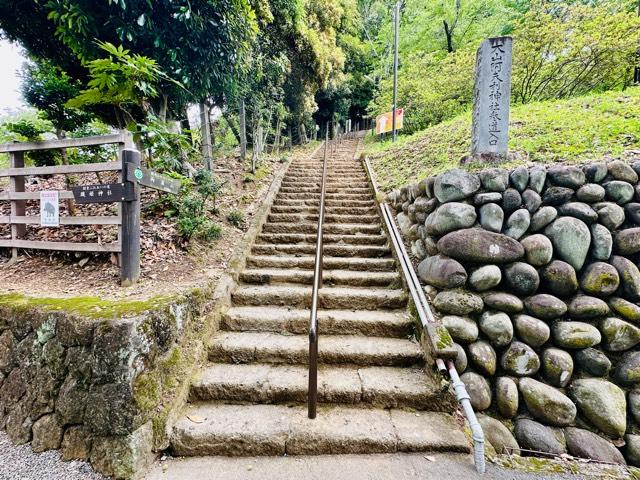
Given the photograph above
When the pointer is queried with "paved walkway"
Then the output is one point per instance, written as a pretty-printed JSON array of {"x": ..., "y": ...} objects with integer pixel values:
[{"x": 341, "y": 467}]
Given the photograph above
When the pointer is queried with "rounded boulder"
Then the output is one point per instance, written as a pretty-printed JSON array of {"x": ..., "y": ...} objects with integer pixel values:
[{"x": 480, "y": 246}]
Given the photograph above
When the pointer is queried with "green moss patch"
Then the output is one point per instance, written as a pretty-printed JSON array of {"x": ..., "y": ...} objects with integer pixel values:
[{"x": 88, "y": 307}]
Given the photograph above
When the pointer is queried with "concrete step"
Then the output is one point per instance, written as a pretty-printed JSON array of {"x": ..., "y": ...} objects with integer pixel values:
[
  {"x": 329, "y": 196},
  {"x": 294, "y": 238},
  {"x": 371, "y": 323},
  {"x": 266, "y": 276},
  {"x": 390, "y": 466},
  {"x": 328, "y": 297},
  {"x": 347, "y": 251},
  {"x": 329, "y": 203},
  {"x": 308, "y": 210},
  {"x": 329, "y": 217},
  {"x": 382, "y": 387},
  {"x": 329, "y": 228},
  {"x": 330, "y": 183},
  {"x": 329, "y": 263},
  {"x": 248, "y": 430},
  {"x": 267, "y": 347}
]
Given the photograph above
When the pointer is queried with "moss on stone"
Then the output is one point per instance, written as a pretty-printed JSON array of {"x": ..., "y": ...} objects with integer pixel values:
[{"x": 87, "y": 307}]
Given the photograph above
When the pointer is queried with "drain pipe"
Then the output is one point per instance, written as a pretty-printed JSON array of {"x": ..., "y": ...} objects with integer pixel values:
[{"x": 463, "y": 398}]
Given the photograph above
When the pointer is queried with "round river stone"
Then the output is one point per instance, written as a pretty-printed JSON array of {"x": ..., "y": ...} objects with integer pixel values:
[
  {"x": 497, "y": 327},
  {"x": 457, "y": 302},
  {"x": 522, "y": 278},
  {"x": 507, "y": 397},
  {"x": 480, "y": 246},
  {"x": 531, "y": 331},
  {"x": 575, "y": 335},
  {"x": 505, "y": 302},
  {"x": 485, "y": 278},
  {"x": 461, "y": 329},
  {"x": 478, "y": 389},
  {"x": 602, "y": 403},
  {"x": 455, "y": 184},
  {"x": 520, "y": 360},
  {"x": 544, "y": 306},
  {"x": 538, "y": 250},
  {"x": 546, "y": 403},
  {"x": 600, "y": 279},
  {"x": 560, "y": 278},
  {"x": 557, "y": 366},
  {"x": 483, "y": 357},
  {"x": 571, "y": 239}
]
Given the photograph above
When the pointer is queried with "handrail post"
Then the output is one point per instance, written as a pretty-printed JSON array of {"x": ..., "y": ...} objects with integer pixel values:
[{"x": 317, "y": 283}]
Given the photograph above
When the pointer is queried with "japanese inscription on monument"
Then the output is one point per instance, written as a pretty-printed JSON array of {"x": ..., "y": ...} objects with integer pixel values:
[{"x": 491, "y": 98}]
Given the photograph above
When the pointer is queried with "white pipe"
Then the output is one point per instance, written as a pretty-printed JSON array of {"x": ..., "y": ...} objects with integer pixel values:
[{"x": 476, "y": 429}]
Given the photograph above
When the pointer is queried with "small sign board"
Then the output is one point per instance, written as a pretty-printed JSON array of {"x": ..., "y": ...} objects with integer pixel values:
[
  {"x": 384, "y": 122},
  {"x": 152, "y": 179},
  {"x": 107, "y": 193},
  {"x": 49, "y": 209}
]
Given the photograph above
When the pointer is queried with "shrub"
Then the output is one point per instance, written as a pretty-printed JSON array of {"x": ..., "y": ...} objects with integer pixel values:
[{"x": 236, "y": 218}]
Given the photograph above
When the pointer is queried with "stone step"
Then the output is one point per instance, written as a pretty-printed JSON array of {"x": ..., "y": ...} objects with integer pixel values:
[
  {"x": 372, "y": 323},
  {"x": 329, "y": 196},
  {"x": 264, "y": 276},
  {"x": 328, "y": 203},
  {"x": 294, "y": 238},
  {"x": 308, "y": 210},
  {"x": 382, "y": 387},
  {"x": 269, "y": 347},
  {"x": 329, "y": 263},
  {"x": 328, "y": 297},
  {"x": 250, "y": 430},
  {"x": 347, "y": 251},
  {"x": 328, "y": 218},
  {"x": 330, "y": 183},
  {"x": 329, "y": 228}
]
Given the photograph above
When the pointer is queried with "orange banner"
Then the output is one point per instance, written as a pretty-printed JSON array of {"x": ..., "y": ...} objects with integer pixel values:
[{"x": 384, "y": 122}]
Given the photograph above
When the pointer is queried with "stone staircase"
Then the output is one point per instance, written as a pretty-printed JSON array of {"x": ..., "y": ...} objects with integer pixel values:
[{"x": 375, "y": 394}]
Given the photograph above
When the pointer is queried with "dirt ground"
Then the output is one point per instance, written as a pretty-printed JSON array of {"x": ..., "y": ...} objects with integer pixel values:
[{"x": 167, "y": 263}]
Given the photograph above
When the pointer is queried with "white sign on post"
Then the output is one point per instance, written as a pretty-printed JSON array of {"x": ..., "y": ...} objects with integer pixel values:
[{"x": 49, "y": 209}]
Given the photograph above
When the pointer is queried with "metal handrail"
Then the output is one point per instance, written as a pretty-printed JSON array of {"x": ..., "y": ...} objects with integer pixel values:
[
  {"x": 317, "y": 283},
  {"x": 427, "y": 319}
]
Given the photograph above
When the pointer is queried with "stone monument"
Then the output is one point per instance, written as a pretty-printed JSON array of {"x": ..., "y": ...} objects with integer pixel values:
[{"x": 491, "y": 97}]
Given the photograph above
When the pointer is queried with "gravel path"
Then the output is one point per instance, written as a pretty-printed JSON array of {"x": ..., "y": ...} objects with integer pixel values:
[{"x": 20, "y": 463}]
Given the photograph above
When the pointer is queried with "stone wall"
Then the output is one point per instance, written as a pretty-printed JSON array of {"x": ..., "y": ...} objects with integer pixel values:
[
  {"x": 100, "y": 387},
  {"x": 534, "y": 271}
]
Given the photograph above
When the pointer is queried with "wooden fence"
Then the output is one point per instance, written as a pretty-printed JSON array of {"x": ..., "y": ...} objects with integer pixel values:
[{"x": 127, "y": 218}]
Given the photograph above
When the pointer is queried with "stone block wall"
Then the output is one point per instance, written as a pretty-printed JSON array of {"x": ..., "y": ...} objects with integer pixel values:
[
  {"x": 534, "y": 271},
  {"x": 99, "y": 389}
]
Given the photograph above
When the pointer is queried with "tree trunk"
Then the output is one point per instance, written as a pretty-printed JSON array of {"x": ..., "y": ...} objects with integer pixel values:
[
  {"x": 233, "y": 127},
  {"x": 449, "y": 34},
  {"x": 163, "y": 107},
  {"x": 243, "y": 130},
  {"x": 68, "y": 180},
  {"x": 303, "y": 134},
  {"x": 207, "y": 153},
  {"x": 290, "y": 133},
  {"x": 276, "y": 140}
]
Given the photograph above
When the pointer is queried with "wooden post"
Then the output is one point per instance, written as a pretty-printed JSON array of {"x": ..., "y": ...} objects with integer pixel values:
[
  {"x": 130, "y": 238},
  {"x": 16, "y": 160},
  {"x": 207, "y": 153},
  {"x": 243, "y": 130}
]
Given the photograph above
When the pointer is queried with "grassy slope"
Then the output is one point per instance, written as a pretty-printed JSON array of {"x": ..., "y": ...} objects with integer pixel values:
[{"x": 575, "y": 130}]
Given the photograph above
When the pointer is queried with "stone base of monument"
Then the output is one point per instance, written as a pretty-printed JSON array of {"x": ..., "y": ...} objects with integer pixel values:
[{"x": 492, "y": 158}]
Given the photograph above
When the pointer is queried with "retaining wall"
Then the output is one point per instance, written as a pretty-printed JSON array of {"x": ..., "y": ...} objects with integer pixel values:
[{"x": 534, "y": 271}]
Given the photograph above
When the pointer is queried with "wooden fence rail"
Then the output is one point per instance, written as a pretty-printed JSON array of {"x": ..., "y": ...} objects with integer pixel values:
[{"x": 127, "y": 219}]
